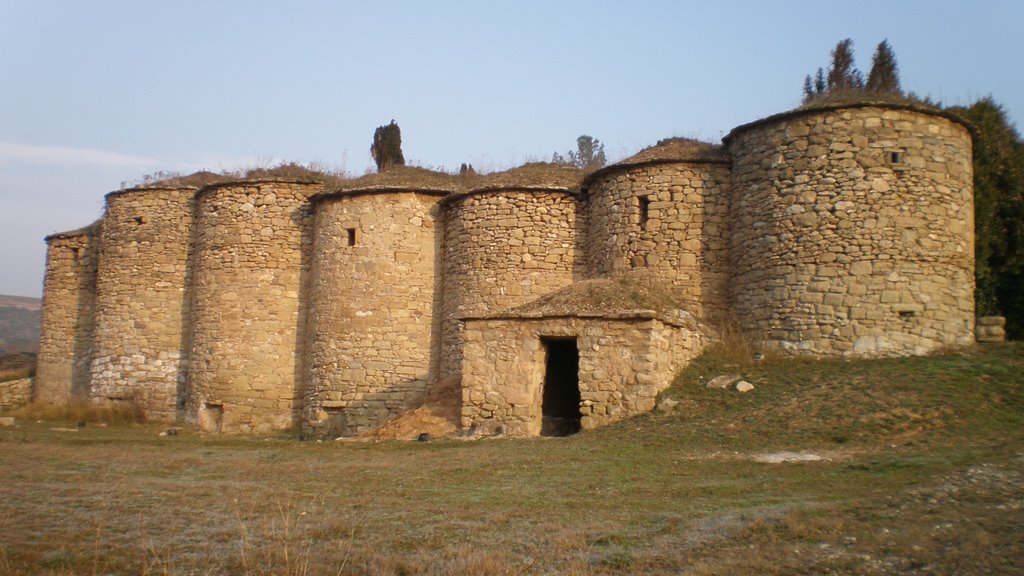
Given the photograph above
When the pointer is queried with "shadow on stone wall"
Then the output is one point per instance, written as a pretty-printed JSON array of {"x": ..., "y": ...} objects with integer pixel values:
[
  {"x": 302, "y": 217},
  {"x": 187, "y": 303},
  {"x": 85, "y": 311}
]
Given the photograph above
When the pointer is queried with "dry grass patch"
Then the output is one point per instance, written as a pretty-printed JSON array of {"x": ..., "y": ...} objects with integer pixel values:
[
  {"x": 659, "y": 494},
  {"x": 80, "y": 413}
]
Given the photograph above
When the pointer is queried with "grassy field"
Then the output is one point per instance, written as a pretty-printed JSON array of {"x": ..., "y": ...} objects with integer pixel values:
[
  {"x": 16, "y": 366},
  {"x": 921, "y": 472}
]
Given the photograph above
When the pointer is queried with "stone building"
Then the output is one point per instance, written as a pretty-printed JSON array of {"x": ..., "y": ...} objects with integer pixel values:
[{"x": 541, "y": 299}]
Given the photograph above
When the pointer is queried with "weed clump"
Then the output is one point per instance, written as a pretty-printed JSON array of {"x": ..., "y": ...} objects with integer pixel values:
[{"x": 127, "y": 412}]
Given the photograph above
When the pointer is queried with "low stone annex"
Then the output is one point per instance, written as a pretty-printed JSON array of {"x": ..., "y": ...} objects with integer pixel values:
[{"x": 542, "y": 300}]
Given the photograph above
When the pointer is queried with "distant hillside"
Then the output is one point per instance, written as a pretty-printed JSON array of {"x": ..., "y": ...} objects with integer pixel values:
[
  {"x": 21, "y": 302},
  {"x": 19, "y": 323}
]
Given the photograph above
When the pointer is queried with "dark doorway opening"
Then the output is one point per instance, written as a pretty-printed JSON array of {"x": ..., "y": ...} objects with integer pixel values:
[
  {"x": 211, "y": 418},
  {"x": 560, "y": 406}
]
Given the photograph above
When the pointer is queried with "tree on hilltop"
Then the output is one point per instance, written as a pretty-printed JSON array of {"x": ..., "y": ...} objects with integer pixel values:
[
  {"x": 387, "y": 147},
  {"x": 843, "y": 76},
  {"x": 589, "y": 154},
  {"x": 998, "y": 214},
  {"x": 884, "y": 77}
]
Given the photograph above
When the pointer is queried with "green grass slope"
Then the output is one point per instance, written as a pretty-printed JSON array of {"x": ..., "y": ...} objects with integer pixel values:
[{"x": 921, "y": 471}]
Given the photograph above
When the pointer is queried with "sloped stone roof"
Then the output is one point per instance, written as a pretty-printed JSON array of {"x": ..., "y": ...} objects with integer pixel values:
[
  {"x": 533, "y": 175},
  {"x": 402, "y": 178},
  {"x": 83, "y": 231},
  {"x": 622, "y": 297},
  {"x": 168, "y": 185},
  {"x": 667, "y": 151},
  {"x": 856, "y": 101},
  {"x": 677, "y": 150}
]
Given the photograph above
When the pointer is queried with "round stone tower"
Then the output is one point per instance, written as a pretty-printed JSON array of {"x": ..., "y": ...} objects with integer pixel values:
[
  {"x": 141, "y": 296},
  {"x": 852, "y": 230},
  {"x": 252, "y": 245},
  {"x": 664, "y": 211},
  {"x": 68, "y": 317},
  {"x": 374, "y": 299},
  {"x": 514, "y": 237}
]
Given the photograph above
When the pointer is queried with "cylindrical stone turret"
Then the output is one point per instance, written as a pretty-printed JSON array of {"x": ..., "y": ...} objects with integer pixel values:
[
  {"x": 252, "y": 245},
  {"x": 69, "y": 297},
  {"x": 373, "y": 323},
  {"x": 141, "y": 299},
  {"x": 665, "y": 211},
  {"x": 852, "y": 230},
  {"x": 513, "y": 239}
]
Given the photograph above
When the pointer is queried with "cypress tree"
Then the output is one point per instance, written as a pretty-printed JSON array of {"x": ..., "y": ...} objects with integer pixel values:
[
  {"x": 387, "y": 147},
  {"x": 884, "y": 77},
  {"x": 819, "y": 83},
  {"x": 843, "y": 76}
]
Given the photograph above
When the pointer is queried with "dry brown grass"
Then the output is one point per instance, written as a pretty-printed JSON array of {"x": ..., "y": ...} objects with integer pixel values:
[
  {"x": 16, "y": 366},
  {"x": 6, "y": 375},
  {"x": 670, "y": 493},
  {"x": 80, "y": 411}
]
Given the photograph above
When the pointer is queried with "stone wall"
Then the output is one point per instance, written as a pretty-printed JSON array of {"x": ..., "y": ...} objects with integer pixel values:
[
  {"x": 142, "y": 300},
  {"x": 68, "y": 314},
  {"x": 852, "y": 231},
  {"x": 373, "y": 324},
  {"x": 503, "y": 248},
  {"x": 835, "y": 230},
  {"x": 623, "y": 364},
  {"x": 252, "y": 244},
  {"x": 15, "y": 393},
  {"x": 670, "y": 218}
]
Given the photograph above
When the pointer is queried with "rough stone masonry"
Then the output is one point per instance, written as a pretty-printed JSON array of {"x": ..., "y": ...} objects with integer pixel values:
[{"x": 279, "y": 302}]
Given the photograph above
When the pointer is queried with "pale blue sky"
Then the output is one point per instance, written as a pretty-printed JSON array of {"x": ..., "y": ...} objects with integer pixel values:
[{"x": 94, "y": 93}]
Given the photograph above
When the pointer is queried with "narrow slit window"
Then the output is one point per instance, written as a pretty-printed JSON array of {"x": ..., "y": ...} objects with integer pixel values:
[
  {"x": 895, "y": 157},
  {"x": 645, "y": 210},
  {"x": 351, "y": 236}
]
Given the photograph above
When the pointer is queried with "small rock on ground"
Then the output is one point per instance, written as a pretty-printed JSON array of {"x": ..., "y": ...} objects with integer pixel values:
[
  {"x": 667, "y": 405},
  {"x": 723, "y": 381},
  {"x": 781, "y": 457}
]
